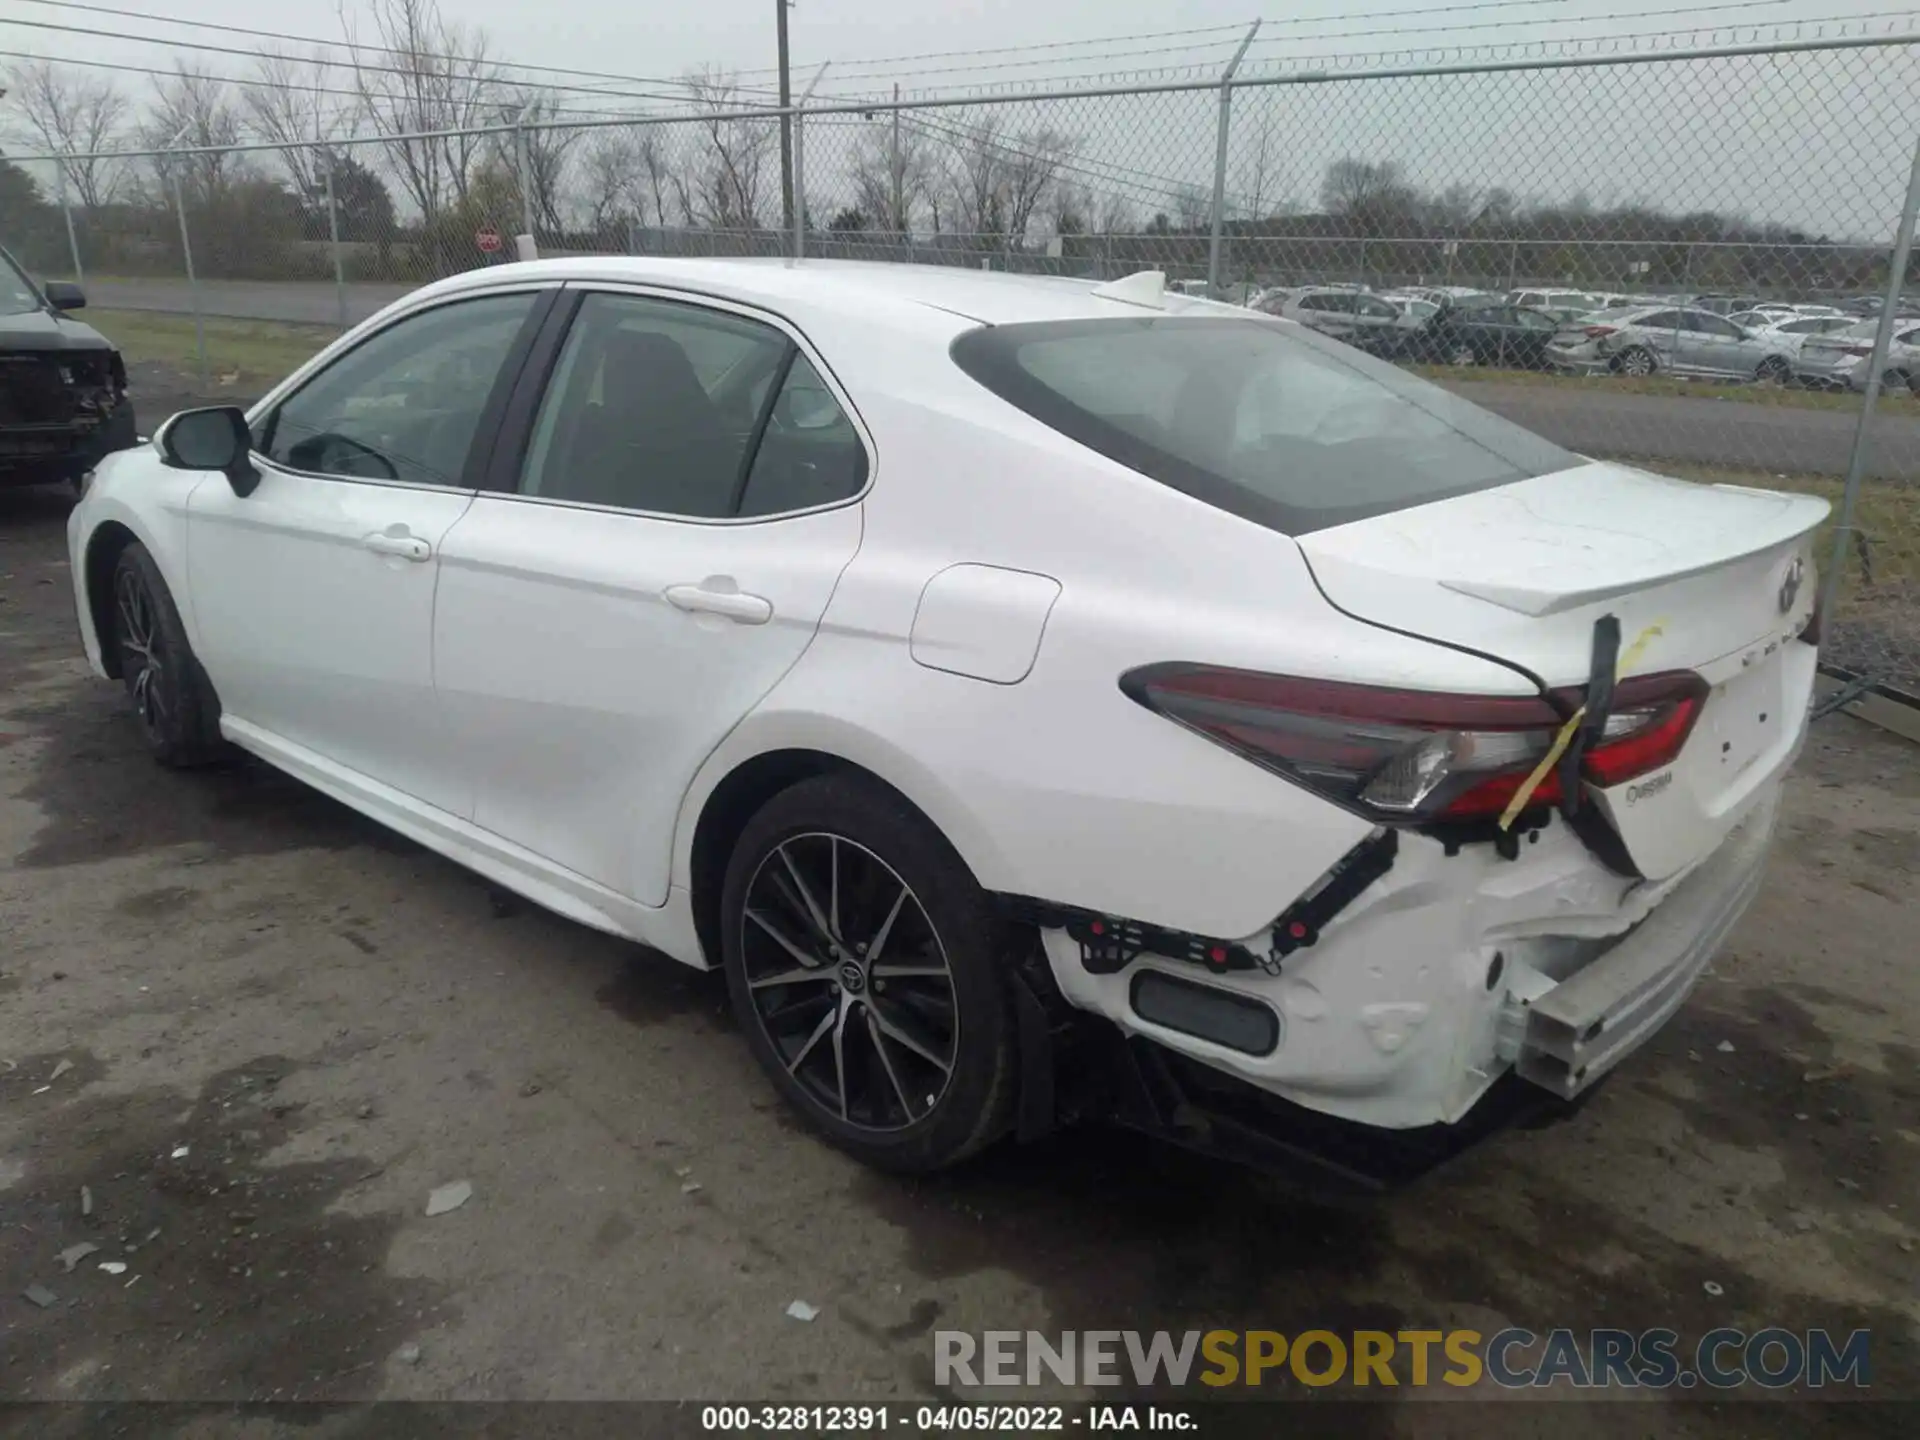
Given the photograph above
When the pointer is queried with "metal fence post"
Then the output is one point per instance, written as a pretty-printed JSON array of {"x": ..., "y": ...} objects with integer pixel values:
[
  {"x": 800, "y": 166},
  {"x": 521, "y": 170},
  {"x": 1220, "y": 161},
  {"x": 1882, "y": 337},
  {"x": 193, "y": 284},
  {"x": 799, "y": 183},
  {"x": 73, "y": 242},
  {"x": 333, "y": 241}
]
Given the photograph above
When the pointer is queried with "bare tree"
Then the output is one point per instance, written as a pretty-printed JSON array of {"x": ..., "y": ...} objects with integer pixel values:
[
  {"x": 892, "y": 171},
  {"x": 1369, "y": 195},
  {"x": 283, "y": 106},
  {"x": 1192, "y": 206},
  {"x": 546, "y": 149},
  {"x": 1262, "y": 171},
  {"x": 1116, "y": 215},
  {"x": 194, "y": 110},
  {"x": 75, "y": 115},
  {"x": 1029, "y": 172},
  {"x": 734, "y": 174},
  {"x": 623, "y": 178},
  {"x": 426, "y": 77},
  {"x": 973, "y": 178}
]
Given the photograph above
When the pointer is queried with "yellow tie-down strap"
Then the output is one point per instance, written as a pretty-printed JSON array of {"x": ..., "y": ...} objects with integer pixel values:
[{"x": 1565, "y": 736}]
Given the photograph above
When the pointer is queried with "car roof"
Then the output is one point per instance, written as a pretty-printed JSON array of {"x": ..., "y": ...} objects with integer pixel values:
[{"x": 905, "y": 296}]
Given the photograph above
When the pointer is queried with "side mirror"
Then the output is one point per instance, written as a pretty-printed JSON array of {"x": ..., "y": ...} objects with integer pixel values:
[
  {"x": 64, "y": 295},
  {"x": 216, "y": 438}
]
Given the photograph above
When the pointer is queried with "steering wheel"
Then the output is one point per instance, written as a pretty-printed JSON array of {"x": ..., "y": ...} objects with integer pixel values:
[{"x": 312, "y": 454}]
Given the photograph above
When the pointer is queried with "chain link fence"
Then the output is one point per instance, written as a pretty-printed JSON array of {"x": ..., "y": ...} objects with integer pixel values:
[{"x": 1676, "y": 259}]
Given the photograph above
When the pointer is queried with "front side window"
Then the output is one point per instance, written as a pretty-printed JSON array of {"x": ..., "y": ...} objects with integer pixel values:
[
  {"x": 17, "y": 293},
  {"x": 673, "y": 409},
  {"x": 405, "y": 402},
  {"x": 1281, "y": 427}
]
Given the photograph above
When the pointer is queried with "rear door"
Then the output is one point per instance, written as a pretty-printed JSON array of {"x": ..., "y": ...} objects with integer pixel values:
[
  {"x": 666, "y": 519},
  {"x": 1719, "y": 347}
]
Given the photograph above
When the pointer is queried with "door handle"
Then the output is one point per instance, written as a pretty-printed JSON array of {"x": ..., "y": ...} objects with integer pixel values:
[
  {"x": 709, "y": 598},
  {"x": 388, "y": 542}
]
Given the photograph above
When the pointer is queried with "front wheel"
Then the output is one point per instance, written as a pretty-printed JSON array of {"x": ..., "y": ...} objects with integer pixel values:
[
  {"x": 179, "y": 715},
  {"x": 1637, "y": 361},
  {"x": 864, "y": 965}
]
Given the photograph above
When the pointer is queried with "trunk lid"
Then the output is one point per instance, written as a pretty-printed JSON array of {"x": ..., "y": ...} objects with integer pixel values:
[{"x": 1713, "y": 579}]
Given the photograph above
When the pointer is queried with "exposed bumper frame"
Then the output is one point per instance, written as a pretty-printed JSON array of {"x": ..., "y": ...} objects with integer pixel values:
[{"x": 1582, "y": 1027}]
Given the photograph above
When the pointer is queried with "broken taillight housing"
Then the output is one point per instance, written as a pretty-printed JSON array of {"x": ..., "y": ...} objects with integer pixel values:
[{"x": 1417, "y": 757}]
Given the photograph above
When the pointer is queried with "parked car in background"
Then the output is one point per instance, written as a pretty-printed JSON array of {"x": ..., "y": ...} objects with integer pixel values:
[
  {"x": 1724, "y": 304},
  {"x": 1491, "y": 333},
  {"x": 1791, "y": 330},
  {"x": 63, "y": 387},
  {"x": 1839, "y": 359},
  {"x": 994, "y": 676},
  {"x": 1677, "y": 340},
  {"x": 1354, "y": 316},
  {"x": 1560, "y": 304}
]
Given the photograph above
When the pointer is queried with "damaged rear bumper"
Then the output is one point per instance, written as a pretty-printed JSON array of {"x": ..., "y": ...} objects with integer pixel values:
[{"x": 1572, "y": 1032}]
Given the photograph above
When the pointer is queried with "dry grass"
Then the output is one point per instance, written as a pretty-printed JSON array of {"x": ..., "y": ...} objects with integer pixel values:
[{"x": 243, "y": 355}]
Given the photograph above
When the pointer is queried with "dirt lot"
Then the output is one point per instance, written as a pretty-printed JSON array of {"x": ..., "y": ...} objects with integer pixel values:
[{"x": 265, "y": 1031}]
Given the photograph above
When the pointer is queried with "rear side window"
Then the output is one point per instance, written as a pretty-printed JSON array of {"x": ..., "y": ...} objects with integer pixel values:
[{"x": 1274, "y": 424}]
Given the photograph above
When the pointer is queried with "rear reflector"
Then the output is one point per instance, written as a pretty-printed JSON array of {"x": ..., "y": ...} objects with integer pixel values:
[
  {"x": 1416, "y": 757},
  {"x": 1234, "y": 1021}
]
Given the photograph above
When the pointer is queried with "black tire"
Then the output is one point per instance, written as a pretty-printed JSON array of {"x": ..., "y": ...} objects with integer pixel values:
[
  {"x": 178, "y": 712},
  {"x": 1773, "y": 371},
  {"x": 1636, "y": 361},
  {"x": 838, "y": 826}
]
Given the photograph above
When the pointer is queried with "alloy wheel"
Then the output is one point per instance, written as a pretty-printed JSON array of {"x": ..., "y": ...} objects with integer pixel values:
[
  {"x": 141, "y": 657},
  {"x": 849, "y": 982}
]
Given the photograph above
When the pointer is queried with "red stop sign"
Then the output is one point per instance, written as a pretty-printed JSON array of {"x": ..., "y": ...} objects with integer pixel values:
[{"x": 487, "y": 238}]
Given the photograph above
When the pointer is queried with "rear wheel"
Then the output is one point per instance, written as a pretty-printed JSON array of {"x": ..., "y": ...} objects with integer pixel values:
[
  {"x": 178, "y": 713},
  {"x": 1637, "y": 361},
  {"x": 863, "y": 961}
]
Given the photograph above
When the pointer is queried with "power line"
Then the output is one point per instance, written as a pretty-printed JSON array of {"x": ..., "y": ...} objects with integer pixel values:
[
  {"x": 317, "y": 60},
  {"x": 243, "y": 83},
  {"x": 340, "y": 44},
  {"x": 1662, "y": 13}
]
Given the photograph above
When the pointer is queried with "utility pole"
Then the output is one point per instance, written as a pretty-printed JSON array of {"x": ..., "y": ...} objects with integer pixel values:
[{"x": 786, "y": 122}]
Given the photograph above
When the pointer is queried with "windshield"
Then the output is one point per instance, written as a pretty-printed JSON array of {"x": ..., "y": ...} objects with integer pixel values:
[
  {"x": 17, "y": 294},
  {"x": 1276, "y": 425}
]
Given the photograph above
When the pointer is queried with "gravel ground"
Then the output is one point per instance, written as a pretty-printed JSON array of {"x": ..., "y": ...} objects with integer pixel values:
[{"x": 267, "y": 1031}]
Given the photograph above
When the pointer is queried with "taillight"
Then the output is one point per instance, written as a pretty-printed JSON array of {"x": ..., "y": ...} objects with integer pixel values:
[
  {"x": 1856, "y": 349},
  {"x": 1414, "y": 756},
  {"x": 1595, "y": 332}
]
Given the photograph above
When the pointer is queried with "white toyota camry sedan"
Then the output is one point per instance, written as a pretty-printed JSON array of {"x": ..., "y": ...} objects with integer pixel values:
[{"x": 1041, "y": 698}]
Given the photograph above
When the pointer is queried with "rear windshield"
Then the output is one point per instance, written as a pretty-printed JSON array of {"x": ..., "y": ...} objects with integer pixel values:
[{"x": 1266, "y": 421}]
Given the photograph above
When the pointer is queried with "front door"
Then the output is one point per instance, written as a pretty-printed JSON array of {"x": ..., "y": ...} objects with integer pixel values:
[
  {"x": 651, "y": 568},
  {"x": 314, "y": 594}
]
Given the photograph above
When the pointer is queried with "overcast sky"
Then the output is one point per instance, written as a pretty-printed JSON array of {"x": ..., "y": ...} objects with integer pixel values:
[
  {"x": 1819, "y": 142},
  {"x": 666, "y": 40}
]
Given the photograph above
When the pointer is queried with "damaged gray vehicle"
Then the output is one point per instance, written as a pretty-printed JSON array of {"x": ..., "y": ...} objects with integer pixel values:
[{"x": 63, "y": 387}]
